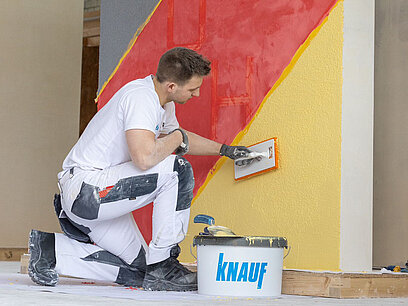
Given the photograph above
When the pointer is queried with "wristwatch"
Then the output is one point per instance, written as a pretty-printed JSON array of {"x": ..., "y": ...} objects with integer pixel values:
[{"x": 184, "y": 146}]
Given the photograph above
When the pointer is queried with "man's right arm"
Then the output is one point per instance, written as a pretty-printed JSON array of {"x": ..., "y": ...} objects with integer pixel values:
[{"x": 146, "y": 151}]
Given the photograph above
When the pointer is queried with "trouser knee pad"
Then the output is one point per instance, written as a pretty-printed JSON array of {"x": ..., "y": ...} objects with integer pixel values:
[{"x": 185, "y": 184}]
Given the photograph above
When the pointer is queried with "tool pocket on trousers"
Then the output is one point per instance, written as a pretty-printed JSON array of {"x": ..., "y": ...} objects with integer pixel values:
[{"x": 90, "y": 198}]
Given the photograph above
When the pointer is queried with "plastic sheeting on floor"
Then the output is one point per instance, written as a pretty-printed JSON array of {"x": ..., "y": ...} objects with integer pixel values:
[{"x": 15, "y": 281}]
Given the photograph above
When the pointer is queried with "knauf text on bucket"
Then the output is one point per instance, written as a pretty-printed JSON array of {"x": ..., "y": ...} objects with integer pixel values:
[{"x": 255, "y": 272}]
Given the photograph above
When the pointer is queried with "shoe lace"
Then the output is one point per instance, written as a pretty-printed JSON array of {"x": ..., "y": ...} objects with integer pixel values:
[{"x": 179, "y": 266}]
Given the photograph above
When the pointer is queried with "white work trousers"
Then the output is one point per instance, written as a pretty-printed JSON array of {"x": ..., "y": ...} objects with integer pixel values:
[{"x": 101, "y": 201}]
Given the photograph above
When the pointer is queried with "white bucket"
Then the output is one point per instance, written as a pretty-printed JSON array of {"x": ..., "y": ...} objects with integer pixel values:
[{"x": 239, "y": 266}]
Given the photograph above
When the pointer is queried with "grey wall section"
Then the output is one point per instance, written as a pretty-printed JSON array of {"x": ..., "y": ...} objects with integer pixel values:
[
  {"x": 391, "y": 133},
  {"x": 119, "y": 21},
  {"x": 40, "y": 60}
]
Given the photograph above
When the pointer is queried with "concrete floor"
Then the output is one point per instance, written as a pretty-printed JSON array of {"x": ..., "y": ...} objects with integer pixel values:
[{"x": 17, "y": 289}]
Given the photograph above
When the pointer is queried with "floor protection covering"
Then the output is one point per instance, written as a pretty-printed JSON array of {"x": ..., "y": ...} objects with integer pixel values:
[{"x": 16, "y": 281}]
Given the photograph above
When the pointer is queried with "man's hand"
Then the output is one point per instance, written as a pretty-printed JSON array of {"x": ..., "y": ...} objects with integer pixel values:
[
  {"x": 238, "y": 153},
  {"x": 234, "y": 152},
  {"x": 246, "y": 162}
]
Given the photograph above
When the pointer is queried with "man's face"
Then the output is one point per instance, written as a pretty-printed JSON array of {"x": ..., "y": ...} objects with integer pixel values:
[{"x": 181, "y": 94}]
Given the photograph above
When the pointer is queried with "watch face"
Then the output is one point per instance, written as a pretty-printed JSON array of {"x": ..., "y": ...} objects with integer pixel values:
[{"x": 183, "y": 145}]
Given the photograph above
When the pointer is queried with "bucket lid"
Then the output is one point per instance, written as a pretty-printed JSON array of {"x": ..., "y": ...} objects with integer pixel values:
[{"x": 251, "y": 241}]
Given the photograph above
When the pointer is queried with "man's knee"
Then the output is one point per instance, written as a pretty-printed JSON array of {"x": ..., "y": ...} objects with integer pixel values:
[{"x": 186, "y": 183}]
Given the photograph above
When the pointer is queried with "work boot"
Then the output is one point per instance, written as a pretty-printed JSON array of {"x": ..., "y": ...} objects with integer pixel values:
[
  {"x": 170, "y": 275},
  {"x": 42, "y": 260}
]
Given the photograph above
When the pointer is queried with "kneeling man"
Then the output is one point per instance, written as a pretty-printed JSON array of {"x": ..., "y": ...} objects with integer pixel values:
[{"x": 123, "y": 161}]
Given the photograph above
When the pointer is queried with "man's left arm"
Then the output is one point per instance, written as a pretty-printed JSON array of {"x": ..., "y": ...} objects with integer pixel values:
[
  {"x": 199, "y": 145},
  {"x": 202, "y": 146}
]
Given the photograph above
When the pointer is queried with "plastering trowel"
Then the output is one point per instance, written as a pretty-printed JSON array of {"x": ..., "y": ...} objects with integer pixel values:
[
  {"x": 212, "y": 229},
  {"x": 263, "y": 158}
]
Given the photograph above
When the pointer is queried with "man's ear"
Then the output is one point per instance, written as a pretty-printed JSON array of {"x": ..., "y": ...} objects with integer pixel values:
[{"x": 171, "y": 87}]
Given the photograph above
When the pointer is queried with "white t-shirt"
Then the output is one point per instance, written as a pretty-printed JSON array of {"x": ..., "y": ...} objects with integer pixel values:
[{"x": 135, "y": 106}]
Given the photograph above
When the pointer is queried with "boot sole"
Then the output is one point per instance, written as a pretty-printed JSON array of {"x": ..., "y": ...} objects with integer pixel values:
[
  {"x": 163, "y": 285},
  {"x": 33, "y": 273},
  {"x": 34, "y": 277}
]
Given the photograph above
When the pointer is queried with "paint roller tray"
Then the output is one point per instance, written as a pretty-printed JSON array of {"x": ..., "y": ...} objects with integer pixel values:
[{"x": 250, "y": 241}]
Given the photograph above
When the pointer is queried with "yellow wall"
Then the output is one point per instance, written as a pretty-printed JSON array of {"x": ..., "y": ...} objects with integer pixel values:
[{"x": 300, "y": 200}]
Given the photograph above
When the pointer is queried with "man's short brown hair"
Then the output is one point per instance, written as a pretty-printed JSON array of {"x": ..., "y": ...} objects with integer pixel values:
[{"x": 179, "y": 65}]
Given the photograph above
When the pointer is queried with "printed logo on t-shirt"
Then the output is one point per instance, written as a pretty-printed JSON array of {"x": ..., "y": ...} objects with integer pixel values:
[{"x": 157, "y": 127}]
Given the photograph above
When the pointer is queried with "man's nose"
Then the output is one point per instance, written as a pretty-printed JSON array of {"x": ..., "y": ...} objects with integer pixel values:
[{"x": 196, "y": 93}]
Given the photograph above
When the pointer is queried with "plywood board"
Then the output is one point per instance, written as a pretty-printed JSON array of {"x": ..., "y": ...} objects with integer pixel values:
[
  {"x": 345, "y": 285},
  {"x": 92, "y": 24},
  {"x": 264, "y": 165},
  {"x": 25, "y": 258},
  {"x": 11, "y": 254}
]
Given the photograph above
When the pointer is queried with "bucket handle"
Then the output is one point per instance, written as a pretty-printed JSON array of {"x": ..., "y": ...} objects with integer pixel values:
[
  {"x": 191, "y": 251},
  {"x": 195, "y": 257},
  {"x": 289, "y": 248}
]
